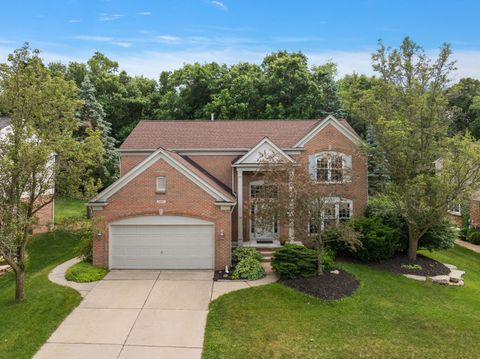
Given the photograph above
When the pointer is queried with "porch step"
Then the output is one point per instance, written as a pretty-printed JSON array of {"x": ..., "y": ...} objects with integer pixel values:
[{"x": 267, "y": 254}]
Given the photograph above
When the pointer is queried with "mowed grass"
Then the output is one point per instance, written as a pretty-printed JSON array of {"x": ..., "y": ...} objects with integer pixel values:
[
  {"x": 389, "y": 317},
  {"x": 69, "y": 208},
  {"x": 25, "y": 327}
]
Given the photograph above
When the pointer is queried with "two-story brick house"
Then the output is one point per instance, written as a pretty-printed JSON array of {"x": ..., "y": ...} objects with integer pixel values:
[{"x": 184, "y": 195}]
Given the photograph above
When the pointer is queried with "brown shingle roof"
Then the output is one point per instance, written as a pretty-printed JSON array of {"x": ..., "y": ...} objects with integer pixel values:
[{"x": 200, "y": 134}]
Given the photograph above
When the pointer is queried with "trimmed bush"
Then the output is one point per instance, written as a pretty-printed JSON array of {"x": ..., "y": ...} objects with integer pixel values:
[
  {"x": 249, "y": 268},
  {"x": 379, "y": 241},
  {"x": 84, "y": 272},
  {"x": 474, "y": 236},
  {"x": 294, "y": 261},
  {"x": 241, "y": 253},
  {"x": 441, "y": 236}
]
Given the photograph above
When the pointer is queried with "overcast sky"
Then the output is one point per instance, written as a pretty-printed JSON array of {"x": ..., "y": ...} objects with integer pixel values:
[{"x": 149, "y": 36}]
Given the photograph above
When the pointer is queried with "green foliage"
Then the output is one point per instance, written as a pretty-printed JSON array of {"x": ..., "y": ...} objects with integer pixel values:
[
  {"x": 293, "y": 261},
  {"x": 87, "y": 250},
  {"x": 441, "y": 235},
  {"x": 246, "y": 252},
  {"x": 379, "y": 241},
  {"x": 84, "y": 272},
  {"x": 410, "y": 127},
  {"x": 474, "y": 236},
  {"x": 249, "y": 268},
  {"x": 463, "y": 101},
  {"x": 412, "y": 266},
  {"x": 92, "y": 116},
  {"x": 328, "y": 259}
]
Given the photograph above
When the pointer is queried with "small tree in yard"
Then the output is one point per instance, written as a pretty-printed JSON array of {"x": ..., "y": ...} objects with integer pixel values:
[
  {"x": 291, "y": 196},
  {"x": 410, "y": 125},
  {"x": 39, "y": 150}
]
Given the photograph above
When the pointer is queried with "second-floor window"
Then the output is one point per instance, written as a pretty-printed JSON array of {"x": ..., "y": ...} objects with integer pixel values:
[{"x": 330, "y": 167}]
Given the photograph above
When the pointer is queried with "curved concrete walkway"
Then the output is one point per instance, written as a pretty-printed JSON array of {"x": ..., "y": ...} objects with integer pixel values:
[
  {"x": 57, "y": 275},
  {"x": 471, "y": 246},
  {"x": 134, "y": 314}
]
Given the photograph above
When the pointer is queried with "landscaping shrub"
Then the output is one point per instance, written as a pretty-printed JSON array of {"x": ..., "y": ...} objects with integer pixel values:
[
  {"x": 440, "y": 236},
  {"x": 84, "y": 272},
  {"x": 474, "y": 236},
  {"x": 328, "y": 259},
  {"x": 241, "y": 253},
  {"x": 293, "y": 261},
  {"x": 249, "y": 268},
  {"x": 379, "y": 241}
]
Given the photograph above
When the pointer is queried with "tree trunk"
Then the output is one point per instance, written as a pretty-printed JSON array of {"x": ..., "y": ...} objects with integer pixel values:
[
  {"x": 20, "y": 285},
  {"x": 320, "y": 259},
  {"x": 412, "y": 244}
]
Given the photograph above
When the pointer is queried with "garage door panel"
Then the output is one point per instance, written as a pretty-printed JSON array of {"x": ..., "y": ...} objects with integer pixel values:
[{"x": 162, "y": 246}]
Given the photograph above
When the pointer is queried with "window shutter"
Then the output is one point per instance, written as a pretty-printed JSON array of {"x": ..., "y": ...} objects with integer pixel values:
[
  {"x": 347, "y": 160},
  {"x": 312, "y": 166}
]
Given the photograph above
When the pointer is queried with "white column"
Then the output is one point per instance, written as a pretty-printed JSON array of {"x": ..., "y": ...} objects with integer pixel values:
[
  {"x": 291, "y": 232},
  {"x": 240, "y": 205}
]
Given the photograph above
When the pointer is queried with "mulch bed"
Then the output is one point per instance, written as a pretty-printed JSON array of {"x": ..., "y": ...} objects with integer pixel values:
[
  {"x": 328, "y": 286},
  {"x": 222, "y": 275},
  {"x": 429, "y": 266}
]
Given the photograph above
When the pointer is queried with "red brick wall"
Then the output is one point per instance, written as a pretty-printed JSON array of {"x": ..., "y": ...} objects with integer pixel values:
[
  {"x": 127, "y": 162},
  {"x": 219, "y": 166},
  {"x": 182, "y": 197},
  {"x": 475, "y": 212},
  {"x": 331, "y": 139},
  {"x": 44, "y": 219}
]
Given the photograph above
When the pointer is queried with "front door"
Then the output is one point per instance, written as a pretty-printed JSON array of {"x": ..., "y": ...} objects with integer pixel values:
[{"x": 259, "y": 233}]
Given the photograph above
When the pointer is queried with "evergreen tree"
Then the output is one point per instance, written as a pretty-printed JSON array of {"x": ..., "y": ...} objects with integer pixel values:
[
  {"x": 92, "y": 116},
  {"x": 377, "y": 171}
]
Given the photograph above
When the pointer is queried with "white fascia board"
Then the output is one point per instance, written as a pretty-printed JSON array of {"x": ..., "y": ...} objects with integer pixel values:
[
  {"x": 334, "y": 122},
  {"x": 146, "y": 163},
  {"x": 267, "y": 141}
]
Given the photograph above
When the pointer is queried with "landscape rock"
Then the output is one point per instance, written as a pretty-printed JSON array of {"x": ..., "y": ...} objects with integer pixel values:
[
  {"x": 336, "y": 271},
  {"x": 449, "y": 266},
  {"x": 441, "y": 279},
  {"x": 420, "y": 278}
]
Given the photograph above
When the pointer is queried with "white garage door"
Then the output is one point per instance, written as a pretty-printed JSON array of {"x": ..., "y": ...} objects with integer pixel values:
[{"x": 162, "y": 242}]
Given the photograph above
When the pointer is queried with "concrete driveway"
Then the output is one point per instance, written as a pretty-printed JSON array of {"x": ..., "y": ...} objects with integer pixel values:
[{"x": 137, "y": 314}]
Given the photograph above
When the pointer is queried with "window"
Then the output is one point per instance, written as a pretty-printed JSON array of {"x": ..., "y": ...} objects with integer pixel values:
[
  {"x": 455, "y": 209},
  {"x": 334, "y": 211},
  {"x": 329, "y": 167},
  {"x": 161, "y": 184}
]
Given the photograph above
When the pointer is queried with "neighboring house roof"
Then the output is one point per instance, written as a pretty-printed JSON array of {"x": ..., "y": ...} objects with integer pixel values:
[
  {"x": 4, "y": 122},
  {"x": 178, "y": 162}
]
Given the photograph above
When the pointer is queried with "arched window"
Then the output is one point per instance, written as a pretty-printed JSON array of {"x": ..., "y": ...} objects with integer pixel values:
[{"x": 330, "y": 167}]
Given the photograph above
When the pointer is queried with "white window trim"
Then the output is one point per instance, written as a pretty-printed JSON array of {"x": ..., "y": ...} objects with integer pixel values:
[
  {"x": 164, "y": 189},
  {"x": 337, "y": 201},
  {"x": 329, "y": 155}
]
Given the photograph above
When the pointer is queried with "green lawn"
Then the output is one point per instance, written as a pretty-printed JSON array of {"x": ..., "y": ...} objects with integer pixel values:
[
  {"x": 84, "y": 272},
  {"x": 25, "y": 327},
  {"x": 389, "y": 317},
  {"x": 69, "y": 208}
]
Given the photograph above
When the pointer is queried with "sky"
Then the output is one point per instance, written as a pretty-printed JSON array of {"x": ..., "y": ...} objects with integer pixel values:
[{"x": 150, "y": 36}]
